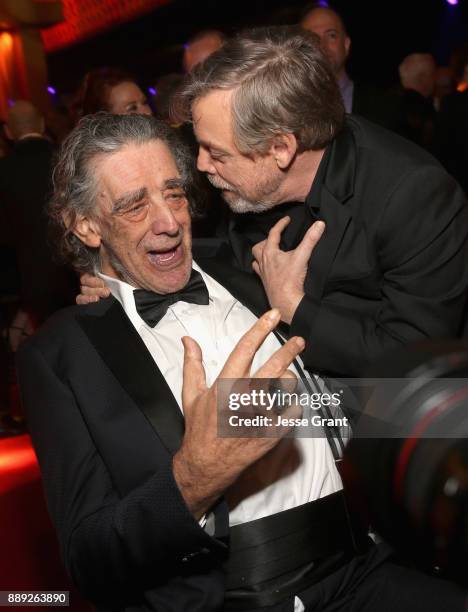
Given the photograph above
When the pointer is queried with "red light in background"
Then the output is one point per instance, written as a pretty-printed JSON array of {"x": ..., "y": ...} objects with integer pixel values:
[
  {"x": 18, "y": 463},
  {"x": 84, "y": 18}
]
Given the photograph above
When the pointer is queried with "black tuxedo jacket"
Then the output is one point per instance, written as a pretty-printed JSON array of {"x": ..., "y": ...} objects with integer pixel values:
[
  {"x": 105, "y": 425},
  {"x": 391, "y": 267}
]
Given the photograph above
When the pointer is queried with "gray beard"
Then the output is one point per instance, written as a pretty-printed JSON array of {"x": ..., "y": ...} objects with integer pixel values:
[
  {"x": 240, "y": 205},
  {"x": 244, "y": 206}
]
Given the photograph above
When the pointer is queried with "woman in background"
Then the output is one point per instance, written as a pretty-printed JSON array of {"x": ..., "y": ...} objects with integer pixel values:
[{"x": 112, "y": 90}]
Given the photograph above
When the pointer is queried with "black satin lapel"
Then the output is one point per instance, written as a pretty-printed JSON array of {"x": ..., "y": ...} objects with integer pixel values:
[
  {"x": 125, "y": 354},
  {"x": 336, "y": 217},
  {"x": 244, "y": 286}
]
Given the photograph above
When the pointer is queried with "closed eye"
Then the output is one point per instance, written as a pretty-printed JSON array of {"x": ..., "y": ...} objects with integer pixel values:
[
  {"x": 136, "y": 211},
  {"x": 176, "y": 198},
  {"x": 218, "y": 156}
]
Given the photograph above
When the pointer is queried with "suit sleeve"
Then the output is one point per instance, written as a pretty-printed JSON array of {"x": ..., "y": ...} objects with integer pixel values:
[
  {"x": 109, "y": 543},
  {"x": 421, "y": 247}
]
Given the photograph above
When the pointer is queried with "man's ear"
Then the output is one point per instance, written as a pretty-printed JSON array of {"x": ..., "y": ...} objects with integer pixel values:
[
  {"x": 284, "y": 149},
  {"x": 347, "y": 44},
  {"x": 86, "y": 229}
]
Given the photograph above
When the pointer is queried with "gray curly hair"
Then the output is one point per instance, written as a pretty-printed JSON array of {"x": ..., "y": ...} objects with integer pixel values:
[{"x": 74, "y": 185}]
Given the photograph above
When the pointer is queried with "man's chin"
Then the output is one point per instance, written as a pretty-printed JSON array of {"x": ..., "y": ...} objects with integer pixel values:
[
  {"x": 171, "y": 276},
  {"x": 171, "y": 281},
  {"x": 240, "y": 206}
]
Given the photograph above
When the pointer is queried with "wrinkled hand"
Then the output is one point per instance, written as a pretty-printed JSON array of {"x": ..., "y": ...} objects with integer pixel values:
[
  {"x": 206, "y": 465},
  {"x": 92, "y": 289},
  {"x": 283, "y": 272}
]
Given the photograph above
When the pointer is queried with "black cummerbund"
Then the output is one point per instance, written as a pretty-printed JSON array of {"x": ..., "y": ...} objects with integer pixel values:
[{"x": 277, "y": 556}]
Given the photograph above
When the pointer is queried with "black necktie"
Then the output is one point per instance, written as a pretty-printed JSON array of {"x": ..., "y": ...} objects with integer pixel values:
[{"x": 153, "y": 306}]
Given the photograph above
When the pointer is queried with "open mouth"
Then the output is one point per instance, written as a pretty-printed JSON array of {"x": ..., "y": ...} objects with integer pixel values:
[{"x": 167, "y": 257}]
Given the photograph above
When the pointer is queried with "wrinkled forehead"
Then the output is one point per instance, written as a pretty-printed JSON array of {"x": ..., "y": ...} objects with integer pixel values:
[
  {"x": 212, "y": 112},
  {"x": 147, "y": 166}
]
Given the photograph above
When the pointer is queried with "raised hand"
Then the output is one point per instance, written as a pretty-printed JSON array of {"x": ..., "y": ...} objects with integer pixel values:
[
  {"x": 283, "y": 272},
  {"x": 206, "y": 464}
]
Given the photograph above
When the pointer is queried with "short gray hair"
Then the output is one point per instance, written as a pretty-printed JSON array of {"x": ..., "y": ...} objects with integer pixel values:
[
  {"x": 283, "y": 84},
  {"x": 74, "y": 183}
]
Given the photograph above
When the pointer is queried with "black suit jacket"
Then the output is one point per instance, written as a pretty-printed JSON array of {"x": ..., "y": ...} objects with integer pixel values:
[
  {"x": 391, "y": 267},
  {"x": 105, "y": 425}
]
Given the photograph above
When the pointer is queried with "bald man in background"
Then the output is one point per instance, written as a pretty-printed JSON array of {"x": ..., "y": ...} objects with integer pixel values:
[
  {"x": 418, "y": 72},
  {"x": 378, "y": 105},
  {"x": 417, "y": 77},
  {"x": 25, "y": 179}
]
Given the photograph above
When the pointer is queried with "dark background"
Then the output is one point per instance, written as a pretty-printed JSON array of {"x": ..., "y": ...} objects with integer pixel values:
[{"x": 382, "y": 33}]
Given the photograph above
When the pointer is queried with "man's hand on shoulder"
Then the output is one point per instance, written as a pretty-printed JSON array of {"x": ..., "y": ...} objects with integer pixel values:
[
  {"x": 283, "y": 272},
  {"x": 92, "y": 289},
  {"x": 207, "y": 464}
]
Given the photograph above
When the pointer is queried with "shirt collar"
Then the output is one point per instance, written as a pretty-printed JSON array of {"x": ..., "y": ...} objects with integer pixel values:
[{"x": 123, "y": 292}]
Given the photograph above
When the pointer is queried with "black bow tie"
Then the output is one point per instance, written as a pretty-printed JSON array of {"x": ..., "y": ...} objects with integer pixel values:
[{"x": 153, "y": 306}]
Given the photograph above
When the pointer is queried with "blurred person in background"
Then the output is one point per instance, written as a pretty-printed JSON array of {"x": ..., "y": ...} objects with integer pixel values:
[
  {"x": 25, "y": 180},
  {"x": 112, "y": 90},
  {"x": 373, "y": 103},
  {"x": 165, "y": 88},
  {"x": 200, "y": 46},
  {"x": 417, "y": 73},
  {"x": 444, "y": 85},
  {"x": 417, "y": 77}
]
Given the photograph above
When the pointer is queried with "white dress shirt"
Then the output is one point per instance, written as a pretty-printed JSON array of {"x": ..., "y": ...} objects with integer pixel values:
[{"x": 297, "y": 470}]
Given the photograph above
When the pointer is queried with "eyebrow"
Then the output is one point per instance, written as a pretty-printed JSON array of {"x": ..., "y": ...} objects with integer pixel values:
[
  {"x": 128, "y": 199},
  {"x": 215, "y": 149},
  {"x": 136, "y": 196},
  {"x": 173, "y": 183}
]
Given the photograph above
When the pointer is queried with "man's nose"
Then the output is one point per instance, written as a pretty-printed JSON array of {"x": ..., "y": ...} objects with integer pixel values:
[
  {"x": 204, "y": 163},
  {"x": 163, "y": 220}
]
